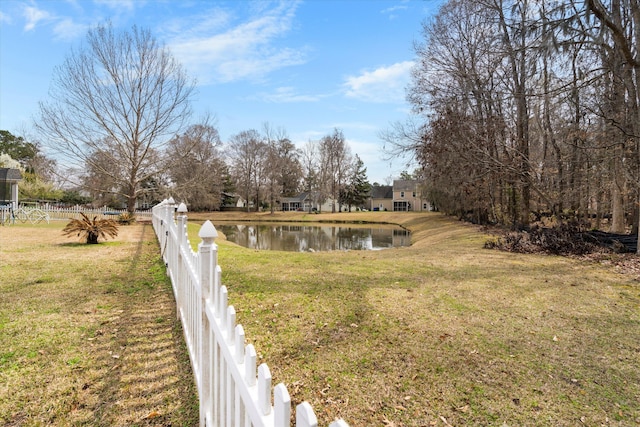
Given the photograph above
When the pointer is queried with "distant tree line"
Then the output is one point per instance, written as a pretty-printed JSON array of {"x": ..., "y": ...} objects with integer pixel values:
[
  {"x": 261, "y": 168},
  {"x": 525, "y": 108},
  {"x": 119, "y": 113}
]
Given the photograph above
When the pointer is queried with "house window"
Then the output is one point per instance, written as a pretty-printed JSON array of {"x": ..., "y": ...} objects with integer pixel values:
[
  {"x": 425, "y": 206},
  {"x": 402, "y": 194},
  {"x": 414, "y": 194},
  {"x": 401, "y": 206}
]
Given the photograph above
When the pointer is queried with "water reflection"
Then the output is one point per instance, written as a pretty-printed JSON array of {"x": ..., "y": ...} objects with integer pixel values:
[{"x": 303, "y": 238}]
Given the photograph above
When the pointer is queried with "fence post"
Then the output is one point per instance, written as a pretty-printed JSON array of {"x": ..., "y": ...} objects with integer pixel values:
[
  {"x": 182, "y": 224},
  {"x": 214, "y": 341},
  {"x": 207, "y": 250},
  {"x": 169, "y": 212}
]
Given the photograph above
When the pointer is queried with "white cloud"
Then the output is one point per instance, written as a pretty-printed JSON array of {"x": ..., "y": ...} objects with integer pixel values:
[
  {"x": 357, "y": 126},
  {"x": 245, "y": 51},
  {"x": 384, "y": 84},
  {"x": 287, "y": 94},
  {"x": 181, "y": 29},
  {"x": 67, "y": 30},
  {"x": 119, "y": 5},
  {"x": 34, "y": 16},
  {"x": 4, "y": 18},
  {"x": 391, "y": 11}
]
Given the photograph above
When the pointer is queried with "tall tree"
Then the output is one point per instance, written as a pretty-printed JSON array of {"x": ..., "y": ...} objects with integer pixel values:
[
  {"x": 37, "y": 169},
  {"x": 123, "y": 88},
  {"x": 283, "y": 172},
  {"x": 101, "y": 177},
  {"x": 620, "y": 20},
  {"x": 335, "y": 159},
  {"x": 357, "y": 189},
  {"x": 246, "y": 152},
  {"x": 28, "y": 154},
  {"x": 17, "y": 147},
  {"x": 310, "y": 171},
  {"x": 198, "y": 176}
]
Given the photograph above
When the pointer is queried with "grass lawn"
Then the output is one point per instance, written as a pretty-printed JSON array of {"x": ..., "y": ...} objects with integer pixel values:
[
  {"x": 88, "y": 333},
  {"x": 440, "y": 333}
]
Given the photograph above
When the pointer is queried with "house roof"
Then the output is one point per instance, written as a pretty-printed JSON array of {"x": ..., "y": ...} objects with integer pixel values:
[
  {"x": 298, "y": 198},
  {"x": 10, "y": 175},
  {"x": 404, "y": 185},
  {"x": 382, "y": 192}
]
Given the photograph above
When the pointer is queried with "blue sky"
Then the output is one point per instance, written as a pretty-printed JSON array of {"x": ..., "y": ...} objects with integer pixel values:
[{"x": 304, "y": 66}]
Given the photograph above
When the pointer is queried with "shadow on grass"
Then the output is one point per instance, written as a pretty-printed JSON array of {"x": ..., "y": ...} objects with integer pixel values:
[
  {"x": 83, "y": 244},
  {"x": 142, "y": 371}
]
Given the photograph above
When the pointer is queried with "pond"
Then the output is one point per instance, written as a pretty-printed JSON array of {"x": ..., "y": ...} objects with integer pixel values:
[{"x": 316, "y": 237}]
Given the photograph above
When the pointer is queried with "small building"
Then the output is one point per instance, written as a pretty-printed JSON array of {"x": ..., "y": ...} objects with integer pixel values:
[
  {"x": 298, "y": 202},
  {"x": 233, "y": 202},
  {"x": 402, "y": 196},
  {"x": 307, "y": 202},
  {"x": 407, "y": 197},
  {"x": 381, "y": 198},
  {"x": 9, "y": 179}
]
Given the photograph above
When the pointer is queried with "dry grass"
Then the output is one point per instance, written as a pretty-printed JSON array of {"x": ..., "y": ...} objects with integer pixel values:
[
  {"x": 443, "y": 332},
  {"x": 440, "y": 333},
  {"x": 88, "y": 333}
]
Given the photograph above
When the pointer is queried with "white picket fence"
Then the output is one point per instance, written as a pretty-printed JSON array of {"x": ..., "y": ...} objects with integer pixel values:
[
  {"x": 230, "y": 393},
  {"x": 56, "y": 213}
]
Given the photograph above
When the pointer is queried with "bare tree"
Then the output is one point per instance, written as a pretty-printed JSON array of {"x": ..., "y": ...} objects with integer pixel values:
[
  {"x": 124, "y": 89},
  {"x": 197, "y": 177},
  {"x": 310, "y": 160},
  {"x": 524, "y": 108},
  {"x": 246, "y": 151},
  {"x": 335, "y": 161},
  {"x": 620, "y": 20},
  {"x": 283, "y": 172}
]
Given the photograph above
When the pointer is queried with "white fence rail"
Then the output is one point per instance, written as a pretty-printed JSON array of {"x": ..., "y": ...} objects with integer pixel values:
[
  {"x": 56, "y": 213},
  {"x": 230, "y": 392}
]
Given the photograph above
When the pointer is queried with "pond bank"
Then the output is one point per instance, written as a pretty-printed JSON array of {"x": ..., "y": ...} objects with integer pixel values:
[{"x": 443, "y": 329}]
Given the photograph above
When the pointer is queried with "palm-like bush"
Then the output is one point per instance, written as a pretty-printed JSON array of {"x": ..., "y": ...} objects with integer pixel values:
[
  {"x": 126, "y": 218},
  {"x": 91, "y": 229}
]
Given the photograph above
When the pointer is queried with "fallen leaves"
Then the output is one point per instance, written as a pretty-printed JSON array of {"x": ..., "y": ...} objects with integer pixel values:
[{"x": 152, "y": 415}]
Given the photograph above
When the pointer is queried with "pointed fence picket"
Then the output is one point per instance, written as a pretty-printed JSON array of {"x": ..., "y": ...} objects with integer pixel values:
[
  {"x": 232, "y": 391},
  {"x": 58, "y": 213}
]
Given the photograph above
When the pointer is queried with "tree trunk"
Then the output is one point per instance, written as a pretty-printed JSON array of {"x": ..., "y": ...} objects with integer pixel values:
[
  {"x": 638, "y": 233},
  {"x": 92, "y": 238},
  {"x": 131, "y": 204},
  {"x": 617, "y": 205}
]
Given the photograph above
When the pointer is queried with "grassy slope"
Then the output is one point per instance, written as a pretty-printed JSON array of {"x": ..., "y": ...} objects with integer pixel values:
[
  {"x": 441, "y": 332},
  {"x": 88, "y": 333}
]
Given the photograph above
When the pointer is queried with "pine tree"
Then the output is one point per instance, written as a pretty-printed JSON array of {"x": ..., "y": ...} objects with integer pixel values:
[{"x": 358, "y": 187}]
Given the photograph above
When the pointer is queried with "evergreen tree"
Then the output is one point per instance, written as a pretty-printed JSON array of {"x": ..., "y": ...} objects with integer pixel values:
[
  {"x": 17, "y": 147},
  {"x": 358, "y": 188}
]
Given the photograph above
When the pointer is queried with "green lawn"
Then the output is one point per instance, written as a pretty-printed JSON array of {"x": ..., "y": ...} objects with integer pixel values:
[
  {"x": 442, "y": 332},
  {"x": 88, "y": 333}
]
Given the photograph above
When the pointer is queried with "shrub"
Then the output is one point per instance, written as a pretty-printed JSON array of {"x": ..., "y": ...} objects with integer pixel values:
[
  {"x": 91, "y": 229},
  {"x": 563, "y": 239},
  {"x": 126, "y": 218}
]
